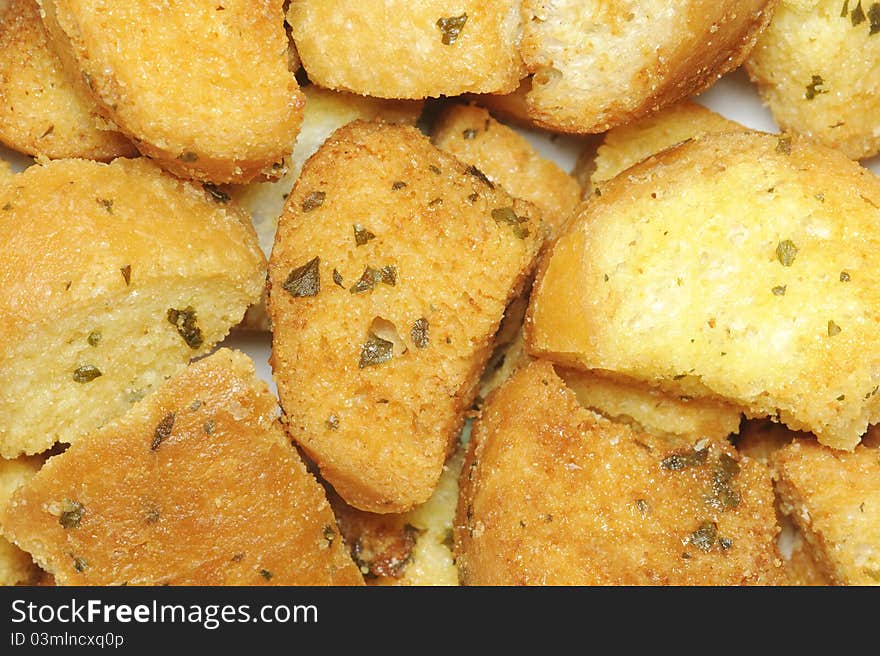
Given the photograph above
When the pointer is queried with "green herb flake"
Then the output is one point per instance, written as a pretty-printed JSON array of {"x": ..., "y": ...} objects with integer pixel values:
[
  {"x": 473, "y": 198},
  {"x": 845, "y": 11},
  {"x": 126, "y": 274},
  {"x": 106, "y": 203},
  {"x": 469, "y": 133},
  {"x": 813, "y": 89},
  {"x": 842, "y": 397},
  {"x": 451, "y": 27},
  {"x": 833, "y": 329},
  {"x": 187, "y": 326},
  {"x": 725, "y": 543},
  {"x": 857, "y": 16},
  {"x": 195, "y": 405},
  {"x": 266, "y": 574},
  {"x": 786, "y": 251},
  {"x": 434, "y": 169},
  {"x": 643, "y": 506},
  {"x": 681, "y": 460},
  {"x": 163, "y": 430},
  {"x": 329, "y": 534},
  {"x": 313, "y": 201},
  {"x": 332, "y": 422},
  {"x": 152, "y": 514},
  {"x": 508, "y": 216},
  {"x": 216, "y": 194},
  {"x": 419, "y": 333},
  {"x": 7, "y": 207},
  {"x": 398, "y": 185},
  {"x": 724, "y": 494},
  {"x": 86, "y": 373},
  {"x": 71, "y": 514},
  {"x": 208, "y": 428},
  {"x": 94, "y": 338},
  {"x": 188, "y": 156},
  {"x": 845, "y": 277},
  {"x": 362, "y": 235},
  {"x": 779, "y": 290},
  {"x": 874, "y": 17},
  {"x": 479, "y": 175},
  {"x": 388, "y": 275},
  {"x": 704, "y": 537},
  {"x": 783, "y": 146},
  {"x": 79, "y": 564},
  {"x": 375, "y": 351},
  {"x": 304, "y": 280},
  {"x": 337, "y": 278},
  {"x": 367, "y": 282},
  {"x": 437, "y": 202}
]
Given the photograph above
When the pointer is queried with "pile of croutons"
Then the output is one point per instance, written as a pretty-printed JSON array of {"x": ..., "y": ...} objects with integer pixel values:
[{"x": 661, "y": 368}]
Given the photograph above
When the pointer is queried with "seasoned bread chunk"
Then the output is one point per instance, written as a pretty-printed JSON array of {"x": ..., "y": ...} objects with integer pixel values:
[
  {"x": 552, "y": 494},
  {"x": 202, "y": 87},
  {"x": 834, "y": 498},
  {"x": 740, "y": 266},
  {"x": 409, "y": 48},
  {"x": 113, "y": 277},
  {"x": 42, "y": 110},
  {"x": 472, "y": 135},
  {"x": 392, "y": 266},
  {"x": 598, "y": 64},
  {"x": 818, "y": 68},
  {"x": 196, "y": 485},
  {"x": 16, "y": 566}
]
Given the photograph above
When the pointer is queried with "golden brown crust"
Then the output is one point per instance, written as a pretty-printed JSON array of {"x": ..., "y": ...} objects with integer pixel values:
[
  {"x": 553, "y": 494},
  {"x": 818, "y": 68},
  {"x": 16, "y": 567},
  {"x": 380, "y": 428},
  {"x": 737, "y": 265},
  {"x": 417, "y": 48},
  {"x": 597, "y": 65},
  {"x": 111, "y": 510},
  {"x": 472, "y": 135},
  {"x": 228, "y": 115},
  {"x": 43, "y": 112}
]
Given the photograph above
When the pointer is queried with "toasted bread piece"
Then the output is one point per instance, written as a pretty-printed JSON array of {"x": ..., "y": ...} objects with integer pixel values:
[
  {"x": 472, "y": 135},
  {"x": 202, "y": 87},
  {"x": 818, "y": 68},
  {"x": 740, "y": 266},
  {"x": 510, "y": 107},
  {"x": 44, "y": 112},
  {"x": 597, "y": 64},
  {"x": 197, "y": 485},
  {"x": 121, "y": 275},
  {"x": 412, "y": 548},
  {"x": 409, "y": 48},
  {"x": 630, "y": 144},
  {"x": 392, "y": 266},
  {"x": 678, "y": 419},
  {"x": 552, "y": 494},
  {"x": 834, "y": 499},
  {"x": 16, "y": 566}
]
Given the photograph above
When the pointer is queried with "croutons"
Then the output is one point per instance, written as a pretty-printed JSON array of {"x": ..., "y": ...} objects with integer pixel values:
[
  {"x": 391, "y": 270},
  {"x": 818, "y": 68},
  {"x": 201, "y": 87},
  {"x": 469, "y": 133},
  {"x": 552, "y": 494},
  {"x": 413, "y": 548},
  {"x": 409, "y": 48},
  {"x": 196, "y": 485},
  {"x": 597, "y": 65},
  {"x": 630, "y": 144},
  {"x": 739, "y": 266},
  {"x": 42, "y": 111},
  {"x": 833, "y": 497},
  {"x": 113, "y": 277},
  {"x": 16, "y": 567}
]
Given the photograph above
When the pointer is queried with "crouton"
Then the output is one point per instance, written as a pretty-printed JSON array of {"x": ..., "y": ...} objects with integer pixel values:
[
  {"x": 801, "y": 567},
  {"x": 630, "y": 144},
  {"x": 203, "y": 88},
  {"x": 391, "y": 270},
  {"x": 122, "y": 274},
  {"x": 834, "y": 499},
  {"x": 42, "y": 111},
  {"x": 818, "y": 68},
  {"x": 409, "y": 48},
  {"x": 16, "y": 567},
  {"x": 739, "y": 266},
  {"x": 507, "y": 159},
  {"x": 552, "y": 494},
  {"x": 678, "y": 419},
  {"x": 196, "y": 485},
  {"x": 597, "y": 65},
  {"x": 510, "y": 107},
  {"x": 412, "y": 548}
]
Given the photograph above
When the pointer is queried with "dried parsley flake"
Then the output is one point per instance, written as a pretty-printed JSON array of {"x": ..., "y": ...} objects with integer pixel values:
[
  {"x": 304, "y": 280},
  {"x": 375, "y": 351},
  {"x": 71, "y": 514},
  {"x": 313, "y": 201},
  {"x": 419, "y": 333},
  {"x": 86, "y": 373},
  {"x": 451, "y": 27},
  {"x": 163, "y": 430},
  {"x": 362, "y": 235},
  {"x": 187, "y": 326},
  {"x": 813, "y": 89},
  {"x": 786, "y": 251}
]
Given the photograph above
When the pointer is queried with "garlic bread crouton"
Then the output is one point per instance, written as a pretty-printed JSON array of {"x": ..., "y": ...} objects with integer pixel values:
[
  {"x": 409, "y": 48},
  {"x": 739, "y": 266},
  {"x": 391, "y": 270},
  {"x": 818, "y": 68},
  {"x": 122, "y": 274},
  {"x": 629, "y": 144},
  {"x": 196, "y": 485},
  {"x": 552, "y": 494},
  {"x": 834, "y": 499},
  {"x": 472, "y": 135},
  {"x": 203, "y": 88},
  {"x": 43, "y": 112},
  {"x": 16, "y": 567},
  {"x": 597, "y": 65}
]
